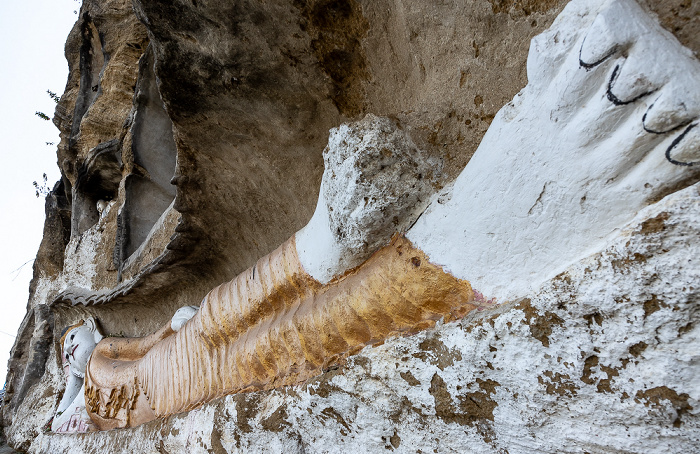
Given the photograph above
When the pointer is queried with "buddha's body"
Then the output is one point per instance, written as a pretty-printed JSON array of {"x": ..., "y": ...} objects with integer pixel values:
[{"x": 273, "y": 325}]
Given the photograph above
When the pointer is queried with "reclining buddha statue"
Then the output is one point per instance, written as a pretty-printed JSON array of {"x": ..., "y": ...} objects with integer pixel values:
[
  {"x": 601, "y": 130},
  {"x": 279, "y": 324}
]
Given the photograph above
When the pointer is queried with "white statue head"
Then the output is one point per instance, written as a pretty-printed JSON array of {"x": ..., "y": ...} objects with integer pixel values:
[{"x": 77, "y": 342}]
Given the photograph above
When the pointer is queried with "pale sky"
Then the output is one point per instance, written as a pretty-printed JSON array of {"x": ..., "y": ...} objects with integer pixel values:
[{"x": 32, "y": 35}]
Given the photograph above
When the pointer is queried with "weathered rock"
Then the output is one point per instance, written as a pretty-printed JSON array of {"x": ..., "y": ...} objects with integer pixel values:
[
  {"x": 233, "y": 104},
  {"x": 28, "y": 359},
  {"x": 4, "y": 449}
]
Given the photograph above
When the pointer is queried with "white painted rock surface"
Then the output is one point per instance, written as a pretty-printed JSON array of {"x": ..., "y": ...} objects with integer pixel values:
[{"x": 601, "y": 129}]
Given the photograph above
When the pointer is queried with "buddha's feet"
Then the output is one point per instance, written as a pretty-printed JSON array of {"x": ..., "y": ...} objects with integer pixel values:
[{"x": 607, "y": 125}]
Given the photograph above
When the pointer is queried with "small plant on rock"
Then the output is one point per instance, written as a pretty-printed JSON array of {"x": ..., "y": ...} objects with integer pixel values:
[{"x": 41, "y": 189}]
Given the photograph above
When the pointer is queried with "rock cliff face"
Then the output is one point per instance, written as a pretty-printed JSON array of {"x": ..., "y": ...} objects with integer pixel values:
[{"x": 191, "y": 145}]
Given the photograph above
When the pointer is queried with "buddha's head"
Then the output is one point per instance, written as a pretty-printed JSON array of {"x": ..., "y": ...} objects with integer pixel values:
[{"x": 78, "y": 341}]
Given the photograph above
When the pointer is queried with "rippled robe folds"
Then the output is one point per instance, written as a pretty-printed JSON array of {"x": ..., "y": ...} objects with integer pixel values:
[{"x": 273, "y": 325}]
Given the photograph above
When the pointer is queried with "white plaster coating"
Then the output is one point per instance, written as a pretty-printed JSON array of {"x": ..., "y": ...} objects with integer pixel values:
[
  {"x": 376, "y": 182},
  {"x": 590, "y": 364},
  {"x": 319, "y": 252},
  {"x": 563, "y": 166},
  {"x": 79, "y": 266}
]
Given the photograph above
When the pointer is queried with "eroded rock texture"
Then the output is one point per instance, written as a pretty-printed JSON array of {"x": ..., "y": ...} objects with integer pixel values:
[{"x": 197, "y": 127}]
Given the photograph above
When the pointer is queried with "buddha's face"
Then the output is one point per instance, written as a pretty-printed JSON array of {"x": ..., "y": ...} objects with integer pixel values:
[{"x": 79, "y": 343}]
